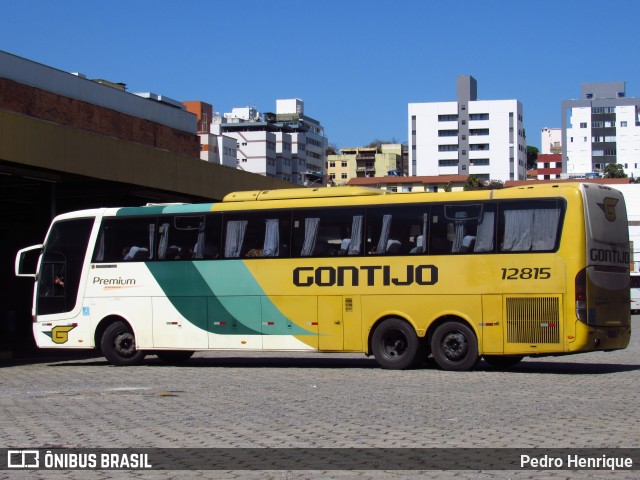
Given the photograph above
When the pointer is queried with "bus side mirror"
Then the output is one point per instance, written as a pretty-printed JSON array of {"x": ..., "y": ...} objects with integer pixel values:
[{"x": 27, "y": 259}]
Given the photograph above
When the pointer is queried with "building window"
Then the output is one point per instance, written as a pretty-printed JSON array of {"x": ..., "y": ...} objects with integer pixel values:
[
  {"x": 344, "y": 164},
  {"x": 479, "y": 116},
  {"x": 447, "y": 133},
  {"x": 332, "y": 164},
  {"x": 447, "y": 163},
  {"x": 479, "y": 162},
  {"x": 479, "y": 146},
  {"x": 447, "y": 148},
  {"x": 447, "y": 118},
  {"x": 343, "y": 176},
  {"x": 623, "y": 123},
  {"x": 583, "y": 124}
]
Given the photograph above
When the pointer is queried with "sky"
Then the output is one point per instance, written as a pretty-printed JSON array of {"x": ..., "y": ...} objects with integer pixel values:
[{"x": 356, "y": 64}]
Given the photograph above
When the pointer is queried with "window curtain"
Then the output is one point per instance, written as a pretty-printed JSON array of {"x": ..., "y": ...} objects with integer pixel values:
[
  {"x": 459, "y": 232},
  {"x": 164, "y": 241},
  {"x": 545, "y": 228},
  {"x": 384, "y": 235},
  {"x": 271, "y": 238},
  {"x": 235, "y": 236},
  {"x": 198, "y": 249},
  {"x": 356, "y": 235},
  {"x": 310, "y": 234},
  {"x": 518, "y": 230},
  {"x": 484, "y": 238}
]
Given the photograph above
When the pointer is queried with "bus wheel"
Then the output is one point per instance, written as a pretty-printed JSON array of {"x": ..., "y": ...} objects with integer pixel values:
[
  {"x": 502, "y": 361},
  {"x": 454, "y": 346},
  {"x": 119, "y": 345},
  {"x": 174, "y": 357},
  {"x": 395, "y": 344}
]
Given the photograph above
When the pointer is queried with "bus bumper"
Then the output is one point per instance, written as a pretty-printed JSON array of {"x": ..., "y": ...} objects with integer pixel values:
[{"x": 601, "y": 338}]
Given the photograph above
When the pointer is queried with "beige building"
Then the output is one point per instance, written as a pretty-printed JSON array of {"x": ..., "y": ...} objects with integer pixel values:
[
  {"x": 364, "y": 162},
  {"x": 439, "y": 183}
]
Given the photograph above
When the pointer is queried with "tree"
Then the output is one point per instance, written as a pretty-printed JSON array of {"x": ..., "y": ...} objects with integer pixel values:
[
  {"x": 332, "y": 149},
  {"x": 614, "y": 170},
  {"x": 495, "y": 185},
  {"x": 532, "y": 157},
  {"x": 475, "y": 183},
  {"x": 377, "y": 142}
]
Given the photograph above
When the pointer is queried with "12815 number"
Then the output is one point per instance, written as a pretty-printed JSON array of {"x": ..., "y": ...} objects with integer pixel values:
[{"x": 526, "y": 273}]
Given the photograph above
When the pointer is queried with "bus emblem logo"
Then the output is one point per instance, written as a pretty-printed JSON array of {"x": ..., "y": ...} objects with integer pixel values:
[
  {"x": 60, "y": 334},
  {"x": 608, "y": 206}
]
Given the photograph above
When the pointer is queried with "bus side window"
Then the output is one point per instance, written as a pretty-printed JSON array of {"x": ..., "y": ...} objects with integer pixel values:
[
  {"x": 463, "y": 228},
  {"x": 186, "y": 237},
  {"x": 328, "y": 232},
  {"x": 257, "y": 235},
  {"x": 396, "y": 230},
  {"x": 213, "y": 232},
  {"x": 126, "y": 239},
  {"x": 442, "y": 232},
  {"x": 530, "y": 226}
]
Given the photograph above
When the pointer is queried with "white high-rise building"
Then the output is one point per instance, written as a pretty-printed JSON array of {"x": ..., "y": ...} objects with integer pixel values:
[
  {"x": 550, "y": 141},
  {"x": 602, "y": 127},
  {"x": 287, "y": 144},
  {"x": 485, "y": 138}
]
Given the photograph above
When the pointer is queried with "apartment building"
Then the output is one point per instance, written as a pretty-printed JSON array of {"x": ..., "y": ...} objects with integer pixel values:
[
  {"x": 549, "y": 166},
  {"x": 551, "y": 141},
  {"x": 485, "y": 138},
  {"x": 214, "y": 147},
  {"x": 600, "y": 128},
  {"x": 287, "y": 144},
  {"x": 377, "y": 161}
]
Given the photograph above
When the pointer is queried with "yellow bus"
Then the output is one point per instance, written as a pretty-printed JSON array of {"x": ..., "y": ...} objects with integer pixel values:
[{"x": 457, "y": 276}]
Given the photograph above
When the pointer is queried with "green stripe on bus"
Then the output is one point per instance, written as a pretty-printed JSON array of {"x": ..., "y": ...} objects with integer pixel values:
[
  {"x": 165, "y": 209},
  {"x": 204, "y": 294}
]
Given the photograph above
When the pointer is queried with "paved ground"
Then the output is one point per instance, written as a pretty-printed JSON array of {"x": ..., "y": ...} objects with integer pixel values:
[{"x": 313, "y": 400}]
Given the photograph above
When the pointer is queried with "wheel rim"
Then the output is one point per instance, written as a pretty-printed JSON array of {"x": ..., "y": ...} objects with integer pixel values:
[
  {"x": 395, "y": 344},
  {"x": 455, "y": 346},
  {"x": 125, "y": 344}
]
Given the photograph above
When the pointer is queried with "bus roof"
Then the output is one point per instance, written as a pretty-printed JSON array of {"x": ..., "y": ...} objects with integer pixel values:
[
  {"x": 302, "y": 193},
  {"x": 260, "y": 199}
]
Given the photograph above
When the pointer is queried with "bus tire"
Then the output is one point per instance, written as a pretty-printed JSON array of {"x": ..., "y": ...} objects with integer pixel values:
[
  {"x": 395, "y": 344},
  {"x": 502, "y": 361},
  {"x": 118, "y": 345},
  {"x": 174, "y": 357},
  {"x": 454, "y": 346}
]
